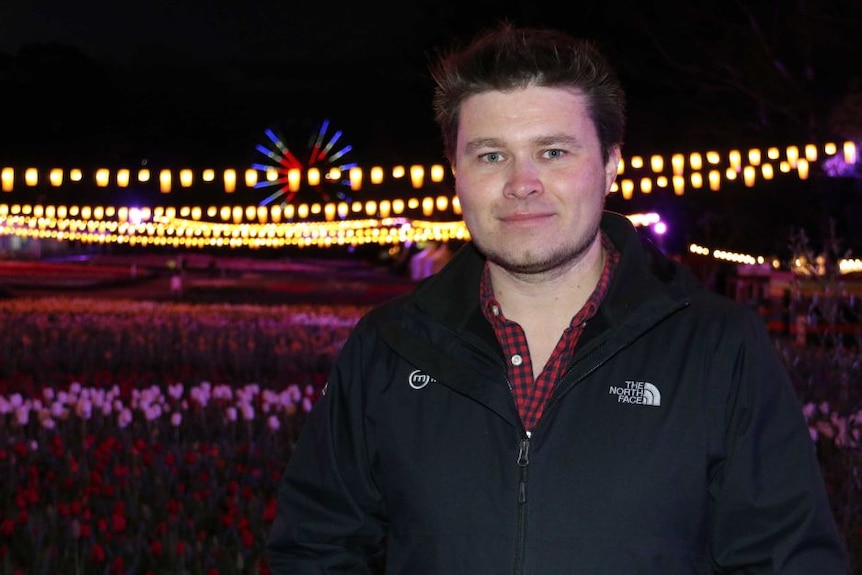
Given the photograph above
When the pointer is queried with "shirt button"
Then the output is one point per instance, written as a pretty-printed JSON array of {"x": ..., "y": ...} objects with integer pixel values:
[
  {"x": 517, "y": 360},
  {"x": 495, "y": 310}
]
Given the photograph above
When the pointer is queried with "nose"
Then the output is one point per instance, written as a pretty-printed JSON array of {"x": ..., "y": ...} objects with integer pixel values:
[{"x": 523, "y": 180}]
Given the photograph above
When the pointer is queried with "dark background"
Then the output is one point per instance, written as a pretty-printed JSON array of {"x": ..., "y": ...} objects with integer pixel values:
[{"x": 197, "y": 83}]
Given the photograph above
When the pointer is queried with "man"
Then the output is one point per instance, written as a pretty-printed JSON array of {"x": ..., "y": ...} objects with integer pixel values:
[{"x": 560, "y": 398}]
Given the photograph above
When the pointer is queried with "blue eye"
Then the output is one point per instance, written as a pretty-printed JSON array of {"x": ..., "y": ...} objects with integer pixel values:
[
  {"x": 492, "y": 157},
  {"x": 555, "y": 154}
]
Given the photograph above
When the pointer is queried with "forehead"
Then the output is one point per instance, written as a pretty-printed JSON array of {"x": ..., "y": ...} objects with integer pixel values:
[{"x": 531, "y": 112}]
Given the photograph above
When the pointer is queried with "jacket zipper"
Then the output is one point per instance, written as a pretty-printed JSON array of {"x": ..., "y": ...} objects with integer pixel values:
[{"x": 523, "y": 463}]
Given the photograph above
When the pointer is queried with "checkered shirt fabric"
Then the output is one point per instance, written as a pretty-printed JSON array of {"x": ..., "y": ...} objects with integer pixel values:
[{"x": 532, "y": 396}]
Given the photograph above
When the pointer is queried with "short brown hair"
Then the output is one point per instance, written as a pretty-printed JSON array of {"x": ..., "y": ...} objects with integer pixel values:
[{"x": 508, "y": 57}]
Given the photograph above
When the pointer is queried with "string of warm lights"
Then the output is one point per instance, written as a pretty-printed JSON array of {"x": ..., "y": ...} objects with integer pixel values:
[
  {"x": 845, "y": 266},
  {"x": 182, "y": 227},
  {"x": 677, "y": 171},
  {"x": 180, "y": 233},
  {"x": 170, "y": 226}
]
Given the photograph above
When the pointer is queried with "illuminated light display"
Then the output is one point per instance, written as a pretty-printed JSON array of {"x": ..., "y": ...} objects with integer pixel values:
[
  {"x": 644, "y": 174},
  {"x": 7, "y": 179},
  {"x": 323, "y": 155},
  {"x": 250, "y": 227}
]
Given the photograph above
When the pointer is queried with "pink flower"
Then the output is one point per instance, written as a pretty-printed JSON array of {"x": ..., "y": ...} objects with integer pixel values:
[
  {"x": 124, "y": 418},
  {"x": 84, "y": 409},
  {"x": 273, "y": 423},
  {"x": 247, "y": 411},
  {"x": 22, "y": 415},
  {"x": 175, "y": 391},
  {"x": 152, "y": 412}
]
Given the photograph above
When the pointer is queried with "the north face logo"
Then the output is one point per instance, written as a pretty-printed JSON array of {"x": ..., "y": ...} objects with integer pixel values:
[
  {"x": 418, "y": 380},
  {"x": 637, "y": 392}
]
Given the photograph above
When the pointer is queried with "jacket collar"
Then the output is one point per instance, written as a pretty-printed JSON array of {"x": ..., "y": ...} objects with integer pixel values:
[{"x": 644, "y": 275}]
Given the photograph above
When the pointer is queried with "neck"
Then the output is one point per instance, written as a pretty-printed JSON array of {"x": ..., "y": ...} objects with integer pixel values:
[{"x": 559, "y": 293}]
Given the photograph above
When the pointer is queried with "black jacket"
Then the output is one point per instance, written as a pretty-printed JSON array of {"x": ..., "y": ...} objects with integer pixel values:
[{"x": 674, "y": 443}]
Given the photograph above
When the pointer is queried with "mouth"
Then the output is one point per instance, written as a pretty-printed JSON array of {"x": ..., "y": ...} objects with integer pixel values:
[{"x": 525, "y": 217}]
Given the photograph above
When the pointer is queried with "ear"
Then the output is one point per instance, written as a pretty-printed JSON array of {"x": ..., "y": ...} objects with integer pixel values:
[{"x": 612, "y": 166}]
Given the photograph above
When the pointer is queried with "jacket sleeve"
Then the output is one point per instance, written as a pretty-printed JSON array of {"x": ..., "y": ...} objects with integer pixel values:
[
  {"x": 329, "y": 511},
  {"x": 770, "y": 509}
]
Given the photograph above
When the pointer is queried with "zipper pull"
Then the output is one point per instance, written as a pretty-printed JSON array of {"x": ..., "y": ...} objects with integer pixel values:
[{"x": 524, "y": 451}]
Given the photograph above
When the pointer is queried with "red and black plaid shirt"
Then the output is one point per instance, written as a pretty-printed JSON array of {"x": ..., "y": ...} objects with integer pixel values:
[{"x": 532, "y": 396}]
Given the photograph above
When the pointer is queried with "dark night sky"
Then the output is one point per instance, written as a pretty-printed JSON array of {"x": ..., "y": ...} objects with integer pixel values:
[{"x": 223, "y": 71}]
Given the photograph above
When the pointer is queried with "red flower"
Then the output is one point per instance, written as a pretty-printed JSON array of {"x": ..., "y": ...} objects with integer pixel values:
[
  {"x": 156, "y": 547},
  {"x": 63, "y": 509},
  {"x": 118, "y": 523},
  {"x": 23, "y": 517},
  {"x": 232, "y": 487},
  {"x": 97, "y": 554},
  {"x": 118, "y": 566},
  {"x": 269, "y": 510},
  {"x": 181, "y": 547},
  {"x": 174, "y": 507},
  {"x": 7, "y": 527},
  {"x": 20, "y": 449},
  {"x": 247, "y": 538},
  {"x": 57, "y": 448},
  {"x": 85, "y": 530}
]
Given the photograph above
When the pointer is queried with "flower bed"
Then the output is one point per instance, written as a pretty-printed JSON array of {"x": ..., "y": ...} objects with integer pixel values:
[
  {"x": 175, "y": 479},
  {"x": 112, "y": 465}
]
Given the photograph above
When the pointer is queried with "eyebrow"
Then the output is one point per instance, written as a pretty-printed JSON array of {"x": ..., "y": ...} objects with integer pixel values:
[
  {"x": 556, "y": 139},
  {"x": 480, "y": 143},
  {"x": 551, "y": 140}
]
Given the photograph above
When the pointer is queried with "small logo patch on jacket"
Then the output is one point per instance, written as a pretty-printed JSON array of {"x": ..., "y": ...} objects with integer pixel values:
[
  {"x": 637, "y": 392},
  {"x": 418, "y": 380}
]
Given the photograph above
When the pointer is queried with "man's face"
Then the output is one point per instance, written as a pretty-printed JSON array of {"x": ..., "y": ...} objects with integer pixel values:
[{"x": 530, "y": 177}]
